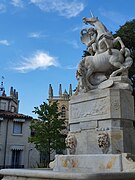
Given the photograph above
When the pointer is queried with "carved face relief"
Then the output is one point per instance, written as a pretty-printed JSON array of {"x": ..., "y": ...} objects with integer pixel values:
[
  {"x": 71, "y": 143},
  {"x": 103, "y": 141}
]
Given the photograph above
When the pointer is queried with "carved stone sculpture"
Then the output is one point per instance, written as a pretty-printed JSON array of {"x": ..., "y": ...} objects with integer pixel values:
[
  {"x": 104, "y": 61},
  {"x": 104, "y": 141},
  {"x": 71, "y": 143}
]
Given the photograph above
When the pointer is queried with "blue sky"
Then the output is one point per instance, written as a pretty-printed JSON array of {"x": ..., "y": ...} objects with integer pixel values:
[{"x": 40, "y": 42}]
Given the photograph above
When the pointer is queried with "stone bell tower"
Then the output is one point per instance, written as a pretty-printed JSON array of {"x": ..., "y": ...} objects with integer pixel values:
[{"x": 63, "y": 100}]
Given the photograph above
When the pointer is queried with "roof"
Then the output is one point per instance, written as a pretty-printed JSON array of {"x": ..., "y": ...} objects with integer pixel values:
[{"x": 8, "y": 114}]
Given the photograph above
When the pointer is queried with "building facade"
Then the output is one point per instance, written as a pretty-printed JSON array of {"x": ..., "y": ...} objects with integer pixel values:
[{"x": 15, "y": 151}]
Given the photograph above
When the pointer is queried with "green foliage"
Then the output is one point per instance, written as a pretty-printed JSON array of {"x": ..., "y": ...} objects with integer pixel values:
[
  {"x": 127, "y": 34},
  {"x": 40, "y": 165},
  {"x": 48, "y": 130}
]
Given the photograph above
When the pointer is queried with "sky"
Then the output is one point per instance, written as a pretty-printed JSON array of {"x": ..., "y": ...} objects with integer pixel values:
[{"x": 40, "y": 43}]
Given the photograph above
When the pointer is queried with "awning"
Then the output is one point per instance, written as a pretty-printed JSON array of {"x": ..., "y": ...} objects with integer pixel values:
[
  {"x": 17, "y": 147},
  {"x": 19, "y": 120}
]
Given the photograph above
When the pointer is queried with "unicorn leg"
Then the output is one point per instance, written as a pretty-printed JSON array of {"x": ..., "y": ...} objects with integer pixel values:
[
  {"x": 88, "y": 83},
  {"x": 120, "y": 67}
]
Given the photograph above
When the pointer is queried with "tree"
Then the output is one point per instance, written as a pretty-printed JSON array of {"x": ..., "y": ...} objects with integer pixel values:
[
  {"x": 127, "y": 34},
  {"x": 47, "y": 130}
]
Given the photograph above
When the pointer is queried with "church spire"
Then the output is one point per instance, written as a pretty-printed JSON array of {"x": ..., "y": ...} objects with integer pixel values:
[
  {"x": 70, "y": 90},
  {"x": 11, "y": 91},
  {"x": 50, "y": 91},
  {"x": 60, "y": 90}
]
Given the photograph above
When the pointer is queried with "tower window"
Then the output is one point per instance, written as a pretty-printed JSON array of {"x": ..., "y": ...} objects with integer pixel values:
[
  {"x": 63, "y": 112},
  {"x": 13, "y": 109}
]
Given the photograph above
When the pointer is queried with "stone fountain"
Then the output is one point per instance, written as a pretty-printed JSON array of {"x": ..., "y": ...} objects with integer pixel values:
[{"x": 101, "y": 139}]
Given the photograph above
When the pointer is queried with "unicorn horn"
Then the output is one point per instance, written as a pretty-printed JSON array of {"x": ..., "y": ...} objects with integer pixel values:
[{"x": 91, "y": 13}]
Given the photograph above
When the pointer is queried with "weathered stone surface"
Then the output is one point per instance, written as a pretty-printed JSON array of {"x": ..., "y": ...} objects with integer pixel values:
[
  {"x": 128, "y": 162},
  {"x": 88, "y": 107},
  {"x": 15, "y": 174},
  {"x": 88, "y": 163},
  {"x": 121, "y": 138},
  {"x": 121, "y": 82},
  {"x": 124, "y": 162},
  {"x": 103, "y": 112},
  {"x": 103, "y": 104}
]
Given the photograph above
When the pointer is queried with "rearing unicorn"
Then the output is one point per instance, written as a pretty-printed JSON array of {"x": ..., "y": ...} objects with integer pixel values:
[
  {"x": 105, "y": 39},
  {"x": 106, "y": 62}
]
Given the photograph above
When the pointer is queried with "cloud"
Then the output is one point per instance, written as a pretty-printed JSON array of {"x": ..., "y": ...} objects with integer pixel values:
[
  {"x": 39, "y": 60},
  {"x": 76, "y": 29},
  {"x": 73, "y": 43},
  {"x": 70, "y": 67},
  {"x": 17, "y": 3},
  {"x": 36, "y": 35},
  {"x": 66, "y": 8},
  {"x": 2, "y": 8},
  {"x": 4, "y": 42},
  {"x": 115, "y": 17}
]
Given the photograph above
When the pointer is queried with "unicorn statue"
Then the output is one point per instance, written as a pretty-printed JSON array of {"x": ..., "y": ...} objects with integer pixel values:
[{"x": 105, "y": 64}]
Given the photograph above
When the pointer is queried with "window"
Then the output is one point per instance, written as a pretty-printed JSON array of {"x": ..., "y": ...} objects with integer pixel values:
[
  {"x": 13, "y": 109},
  {"x": 1, "y": 119},
  {"x": 0, "y": 127},
  {"x": 3, "y": 105},
  {"x": 63, "y": 112},
  {"x": 16, "y": 158},
  {"x": 134, "y": 124},
  {"x": 17, "y": 127}
]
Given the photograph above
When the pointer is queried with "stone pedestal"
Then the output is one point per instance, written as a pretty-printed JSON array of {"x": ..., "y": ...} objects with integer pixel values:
[{"x": 102, "y": 122}]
